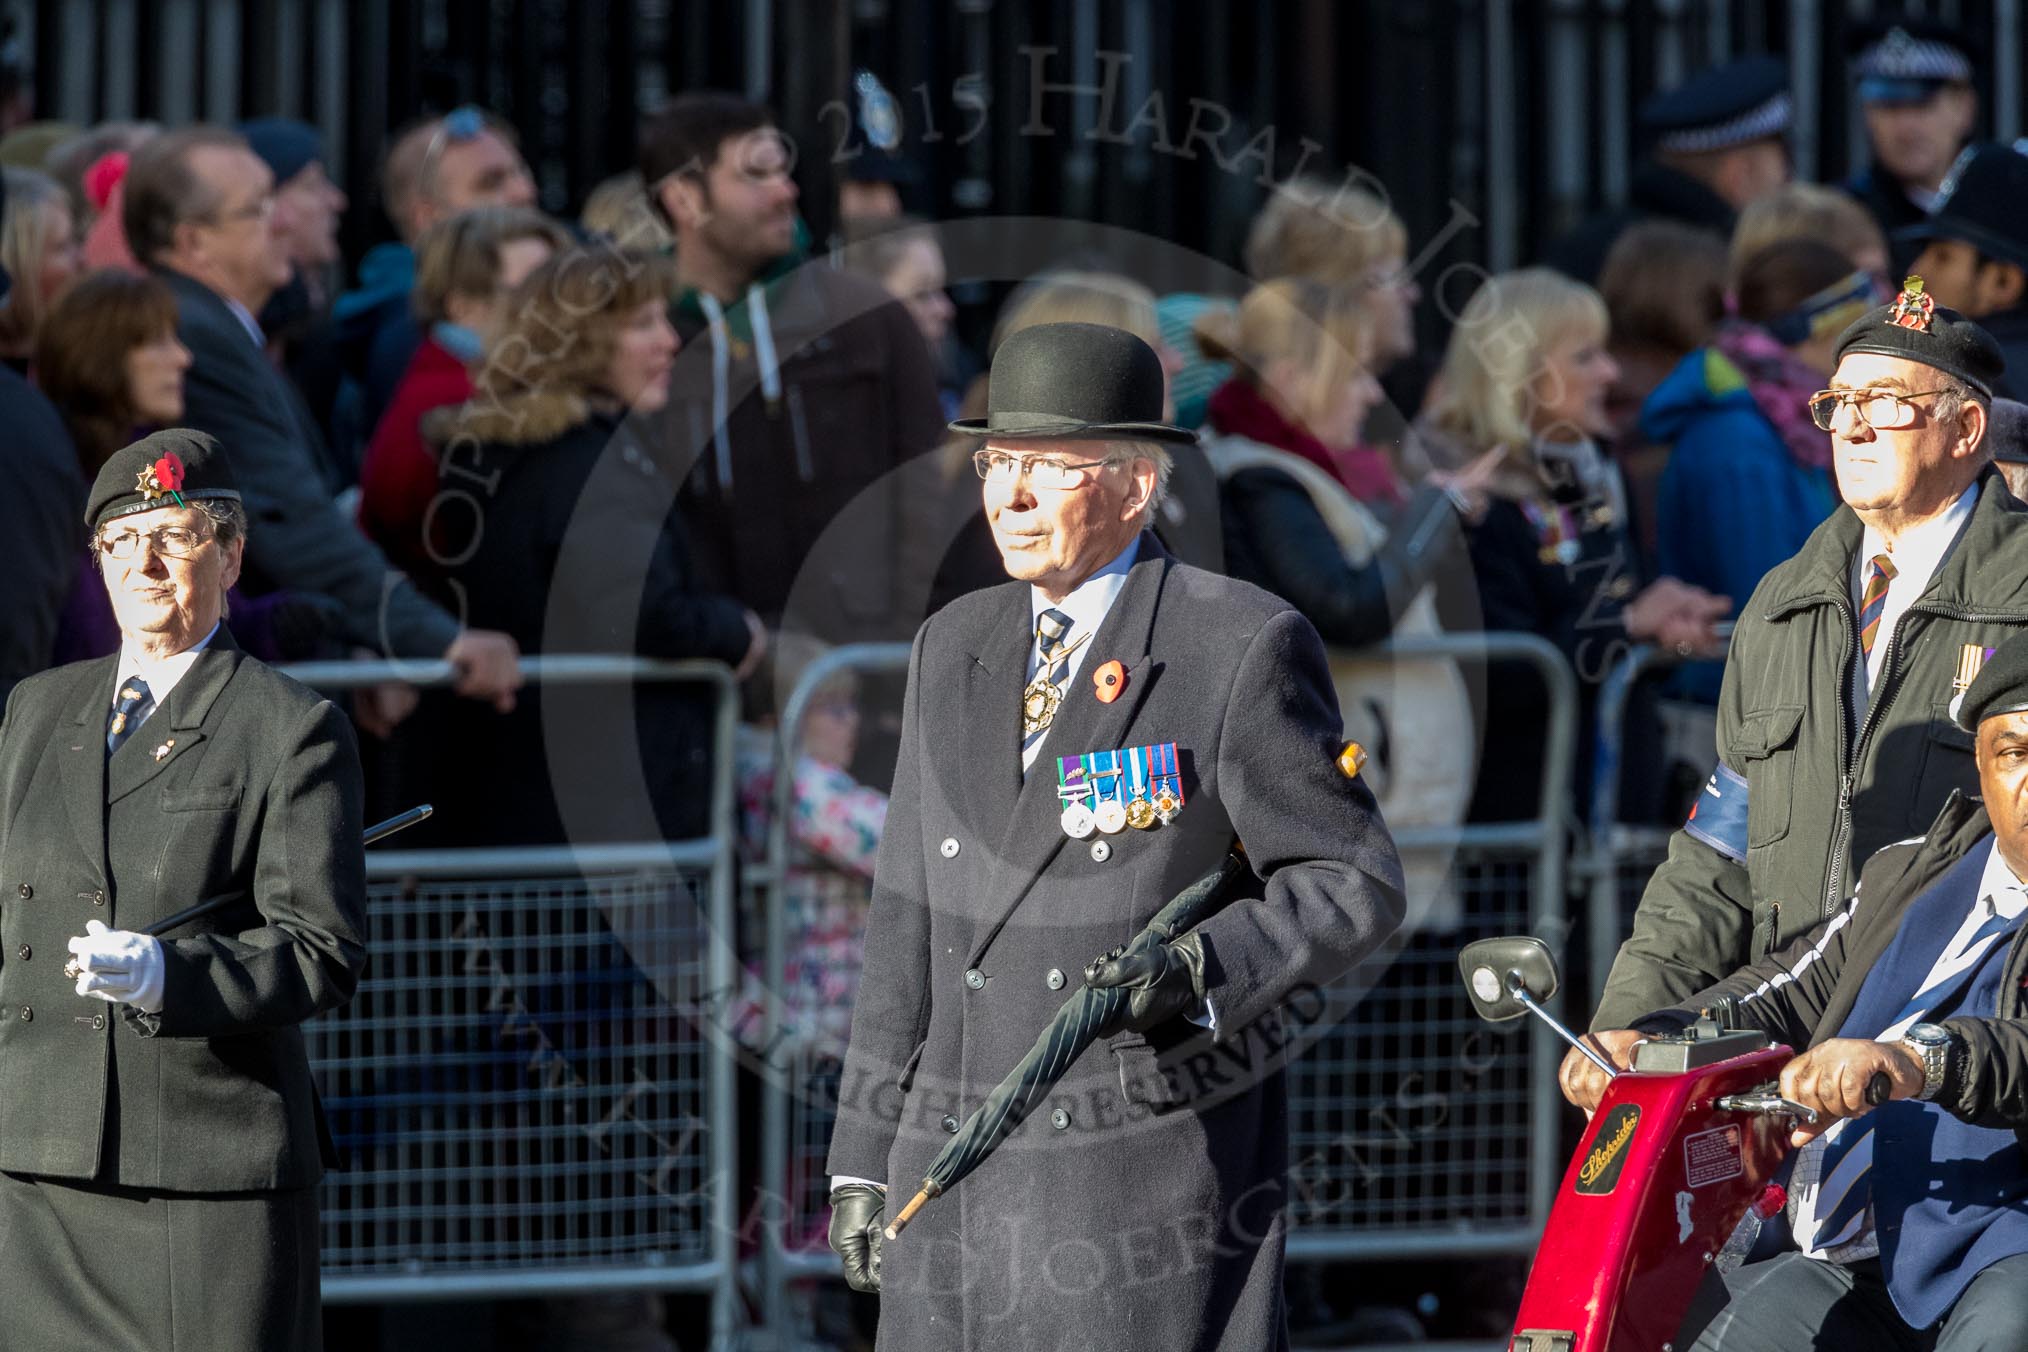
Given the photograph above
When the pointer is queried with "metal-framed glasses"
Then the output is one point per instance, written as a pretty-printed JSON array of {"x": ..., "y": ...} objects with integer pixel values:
[
  {"x": 171, "y": 542},
  {"x": 1882, "y": 410},
  {"x": 1042, "y": 472},
  {"x": 252, "y": 211}
]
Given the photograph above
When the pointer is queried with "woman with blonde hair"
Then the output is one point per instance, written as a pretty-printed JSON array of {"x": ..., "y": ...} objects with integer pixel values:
[
  {"x": 1527, "y": 374},
  {"x": 39, "y": 249},
  {"x": 1278, "y": 444},
  {"x": 571, "y": 545}
]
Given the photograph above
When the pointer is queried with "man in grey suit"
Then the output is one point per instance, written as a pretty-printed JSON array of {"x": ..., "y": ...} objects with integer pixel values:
[
  {"x": 1077, "y": 746},
  {"x": 160, "y": 1138},
  {"x": 198, "y": 210}
]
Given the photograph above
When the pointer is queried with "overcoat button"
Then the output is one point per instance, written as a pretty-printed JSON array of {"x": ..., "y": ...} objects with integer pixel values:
[
  {"x": 1059, "y": 1119},
  {"x": 25, "y": 891},
  {"x": 1054, "y": 979},
  {"x": 24, "y": 952},
  {"x": 950, "y": 1124},
  {"x": 98, "y": 898},
  {"x": 1101, "y": 850},
  {"x": 949, "y": 847},
  {"x": 975, "y": 978},
  {"x": 27, "y": 1014},
  {"x": 98, "y": 1021}
]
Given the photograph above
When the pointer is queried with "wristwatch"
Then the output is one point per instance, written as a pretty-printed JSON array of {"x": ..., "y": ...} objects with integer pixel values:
[{"x": 1932, "y": 1043}]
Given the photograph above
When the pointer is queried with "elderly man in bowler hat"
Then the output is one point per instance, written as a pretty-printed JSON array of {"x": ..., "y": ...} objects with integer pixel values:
[
  {"x": 160, "y": 1138},
  {"x": 1833, "y": 737},
  {"x": 1908, "y": 1219},
  {"x": 1078, "y": 745}
]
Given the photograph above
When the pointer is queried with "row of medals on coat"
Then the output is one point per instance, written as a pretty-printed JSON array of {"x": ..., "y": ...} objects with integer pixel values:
[{"x": 1109, "y": 791}]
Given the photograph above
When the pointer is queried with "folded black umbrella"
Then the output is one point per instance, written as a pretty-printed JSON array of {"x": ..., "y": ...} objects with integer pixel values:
[{"x": 1072, "y": 1029}]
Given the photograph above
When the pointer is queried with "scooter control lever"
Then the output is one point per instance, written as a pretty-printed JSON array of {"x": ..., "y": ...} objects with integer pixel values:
[{"x": 1767, "y": 1101}]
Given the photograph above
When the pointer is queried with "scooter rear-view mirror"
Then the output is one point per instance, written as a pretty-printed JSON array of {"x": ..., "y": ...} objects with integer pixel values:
[{"x": 1493, "y": 968}]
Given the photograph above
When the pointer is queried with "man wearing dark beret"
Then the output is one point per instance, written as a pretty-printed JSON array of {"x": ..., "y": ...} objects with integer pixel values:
[
  {"x": 1907, "y": 1223},
  {"x": 160, "y": 1138},
  {"x": 1833, "y": 738}
]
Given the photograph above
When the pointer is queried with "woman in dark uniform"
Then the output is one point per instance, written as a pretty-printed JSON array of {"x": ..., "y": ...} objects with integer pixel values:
[{"x": 159, "y": 1133}]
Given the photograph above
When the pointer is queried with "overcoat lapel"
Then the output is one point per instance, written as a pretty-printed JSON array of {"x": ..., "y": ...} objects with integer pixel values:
[
  {"x": 1083, "y": 722},
  {"x": 988, "y": 759},
  {"x": 178, "y": 724},
  {"x": 82, "y": 754}
]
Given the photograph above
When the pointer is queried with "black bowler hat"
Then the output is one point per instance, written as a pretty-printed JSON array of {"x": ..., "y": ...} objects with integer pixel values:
[
  {"x": 170, "y": 468},
  {"x": 1982, "y": 201},
  {"x": 2001, "y": 687},
  {"x": 1087, "y": 382},
  {"x": 1916, "y": 328}
]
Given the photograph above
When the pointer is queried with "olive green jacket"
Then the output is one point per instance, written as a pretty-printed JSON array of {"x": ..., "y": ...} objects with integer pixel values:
[{"x": 1827, "y": 784}]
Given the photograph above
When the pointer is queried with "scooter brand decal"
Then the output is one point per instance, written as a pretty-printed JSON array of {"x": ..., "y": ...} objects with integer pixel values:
[
  {"x": 1712, "y": 1157},
  {"x": 1600, "y": 1172}
]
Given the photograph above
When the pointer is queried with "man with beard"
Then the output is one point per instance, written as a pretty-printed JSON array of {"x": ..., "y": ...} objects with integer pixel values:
[{"x": 802, "y": 385}]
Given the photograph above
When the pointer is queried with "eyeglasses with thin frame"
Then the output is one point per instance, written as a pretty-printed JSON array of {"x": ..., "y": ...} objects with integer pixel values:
[
  {"x": 1881, "y": 410},
  {"x": 1042, "y": 472},
  {"x": 253, "y": 211},
  {"x": 171, "y": 542}
]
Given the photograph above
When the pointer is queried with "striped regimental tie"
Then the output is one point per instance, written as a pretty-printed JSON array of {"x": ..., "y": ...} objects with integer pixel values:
[
  {"x": 133, "y": 697},
  {"x": 1879, "y": 572}
]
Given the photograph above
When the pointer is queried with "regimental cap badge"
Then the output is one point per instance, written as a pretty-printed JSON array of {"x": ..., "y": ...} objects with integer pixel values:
[
  {"x": 1914, "y": 308},
  {"x": 162, "y": 479}
]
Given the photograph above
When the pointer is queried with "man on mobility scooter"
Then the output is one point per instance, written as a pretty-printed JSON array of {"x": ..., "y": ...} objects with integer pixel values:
[{"x": 1907, "y": 1223}]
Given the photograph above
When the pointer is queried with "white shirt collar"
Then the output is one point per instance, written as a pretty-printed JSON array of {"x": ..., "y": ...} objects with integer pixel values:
[
  {"x": 1921, "y": 548},
  {"x": 1087, "y": 605},
  {"x": 2000, "y": 891},
  {"x": 161, "y": 673}
]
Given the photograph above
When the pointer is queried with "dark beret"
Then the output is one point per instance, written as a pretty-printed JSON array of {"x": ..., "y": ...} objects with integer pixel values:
[
  {"x": 2007, "y": 431},
  {"x": 286, "y": 146},
  {"x": 1916, "y": 328},
  {"x": 1729, "y": 105},
  {"x": 1980, "y": 202},
  {"x": 2001, "y": 686},
  {"x": 169, "y": 468}
]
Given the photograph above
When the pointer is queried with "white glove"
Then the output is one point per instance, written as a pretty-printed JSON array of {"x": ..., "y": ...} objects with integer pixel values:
[{"x": 119, "y": 967}]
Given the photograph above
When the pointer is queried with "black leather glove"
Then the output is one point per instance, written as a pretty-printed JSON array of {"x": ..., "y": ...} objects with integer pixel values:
[
  {"x": 1164, "y": 980},
  {"x": 858, "y": 1211}
]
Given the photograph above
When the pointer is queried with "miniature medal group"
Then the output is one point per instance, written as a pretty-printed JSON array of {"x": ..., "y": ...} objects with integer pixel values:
[{"x": 1108, "y": 791}]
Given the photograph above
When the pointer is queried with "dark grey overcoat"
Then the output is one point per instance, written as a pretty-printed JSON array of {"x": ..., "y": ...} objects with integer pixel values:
[
  {"x": 1144, "y": 1207},
  {"x": 256, "y": 789}
]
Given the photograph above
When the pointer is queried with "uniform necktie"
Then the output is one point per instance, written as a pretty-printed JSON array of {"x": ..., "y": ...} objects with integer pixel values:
[
  {"x": 1041, "y": 696},
  {"x": 127, "y": 705},
  {"x": 1879, "y": 572},
  {"x": 1845, "y": 1153}
]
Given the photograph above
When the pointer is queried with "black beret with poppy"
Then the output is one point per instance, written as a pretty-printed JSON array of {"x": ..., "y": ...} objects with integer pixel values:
[
  {"x": 170, "y": 468},
  {"x": 1916, "y": 328}
]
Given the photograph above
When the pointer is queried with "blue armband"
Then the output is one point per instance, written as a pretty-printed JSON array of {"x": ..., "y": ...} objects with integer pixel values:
[{"x": 1719, "y": 818}]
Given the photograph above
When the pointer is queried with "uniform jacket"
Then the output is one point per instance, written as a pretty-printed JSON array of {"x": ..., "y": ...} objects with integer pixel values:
[
  {"x": 1827, "y": 785},
  {"x": 259, "y": 792},
  {"x": 1144, "y": 1208},
  {"x": 299, "y": 539},
  {"x": 1937, "y": 1167}
]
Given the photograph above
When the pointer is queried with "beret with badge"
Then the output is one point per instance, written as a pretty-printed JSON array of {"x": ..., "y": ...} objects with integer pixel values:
[
  {"x": 2001, "y": 687},
  {"x": 170, "y": 468},
  {"x": 1914, "y": 327}
]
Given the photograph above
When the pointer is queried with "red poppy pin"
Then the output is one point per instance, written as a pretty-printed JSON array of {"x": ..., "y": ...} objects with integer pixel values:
[
  {"x": 1109, "y": 680},
  {"x": 162, "y": 479},
  {"x": 1914, "y": 308}
]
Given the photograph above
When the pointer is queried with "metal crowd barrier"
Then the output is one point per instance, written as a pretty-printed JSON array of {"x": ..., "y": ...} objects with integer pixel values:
[
  {"x": 529, "y": 1085},
  {"x": 1618, "y": 857},
  {"x": 1417, "y": 1130}
]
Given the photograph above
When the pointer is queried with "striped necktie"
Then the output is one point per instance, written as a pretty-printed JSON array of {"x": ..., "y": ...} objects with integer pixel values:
[
  {"x": 1845, "y": 1152},
  {"x": 1879, "y": 572},
  {"x": 133, "y": 697},
  {"x": 1041, "y": 696}
]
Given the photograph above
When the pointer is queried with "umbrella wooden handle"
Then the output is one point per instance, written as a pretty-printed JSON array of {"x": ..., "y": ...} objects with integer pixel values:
[{"x": 915, "y": 1204}]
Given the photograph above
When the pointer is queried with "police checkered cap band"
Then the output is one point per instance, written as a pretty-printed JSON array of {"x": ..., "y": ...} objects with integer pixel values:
[
  {"x": 1900, "y": 56},
  {"x": 1768, "y": 119}
]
